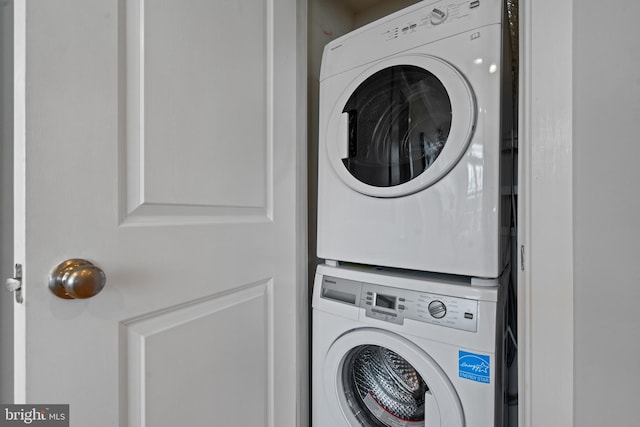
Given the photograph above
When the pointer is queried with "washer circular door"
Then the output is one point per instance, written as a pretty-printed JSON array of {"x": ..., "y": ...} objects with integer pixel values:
[
  {"x": 401, "y": 125},
  {"x": 375, "y": 378}
]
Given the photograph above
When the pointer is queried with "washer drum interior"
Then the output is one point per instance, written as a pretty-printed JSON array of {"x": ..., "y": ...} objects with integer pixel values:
[{"x": 383, "y": 389}]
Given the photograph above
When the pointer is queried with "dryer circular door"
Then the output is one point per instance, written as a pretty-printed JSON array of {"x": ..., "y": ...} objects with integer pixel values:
[
  {"x": 401, "y": 125},
  {"x": 375, "y": 378}
]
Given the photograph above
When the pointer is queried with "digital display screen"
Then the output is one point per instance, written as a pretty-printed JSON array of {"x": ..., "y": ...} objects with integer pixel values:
[{"x": 385, "y": 301}]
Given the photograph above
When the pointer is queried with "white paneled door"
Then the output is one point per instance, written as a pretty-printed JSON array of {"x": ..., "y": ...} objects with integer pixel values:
[{"x": 162, "y": 141}]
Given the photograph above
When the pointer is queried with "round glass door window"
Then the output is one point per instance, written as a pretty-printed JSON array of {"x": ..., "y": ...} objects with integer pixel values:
[
  {"x": 383, "y": 389},
  {"x": 399, "y": 120}
]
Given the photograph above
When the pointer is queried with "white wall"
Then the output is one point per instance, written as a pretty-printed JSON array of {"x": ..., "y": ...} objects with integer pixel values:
[
  {"x": 581, "y": 229},
  {"x": 545, "y": 223},
  {"x": 606, "y": 181},
  {"x": 380, "y": 9},
  {"x": 6, "y": 199}
]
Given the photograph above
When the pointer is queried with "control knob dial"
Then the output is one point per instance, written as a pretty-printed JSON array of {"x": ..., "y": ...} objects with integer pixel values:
[
  {"x": 438, "y": 16},
  {"x": 437, "y": 309}
]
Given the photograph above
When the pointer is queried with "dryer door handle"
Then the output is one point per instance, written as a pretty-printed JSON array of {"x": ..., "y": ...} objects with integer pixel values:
[{"x": 347, "y": 134}]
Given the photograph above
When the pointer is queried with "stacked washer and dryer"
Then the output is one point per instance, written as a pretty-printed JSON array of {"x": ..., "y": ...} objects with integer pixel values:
[{"x": 414, "y": 183}]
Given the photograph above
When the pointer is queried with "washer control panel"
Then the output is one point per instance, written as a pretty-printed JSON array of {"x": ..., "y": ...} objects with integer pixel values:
[{"x": 394, "y": 305}]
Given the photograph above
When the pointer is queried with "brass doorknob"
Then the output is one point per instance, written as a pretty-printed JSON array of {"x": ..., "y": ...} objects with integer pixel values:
[{"x": 76, "y": 279}]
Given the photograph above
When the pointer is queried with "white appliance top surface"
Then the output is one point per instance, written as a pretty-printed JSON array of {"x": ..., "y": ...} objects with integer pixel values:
[{"x": 443, "y": 284}]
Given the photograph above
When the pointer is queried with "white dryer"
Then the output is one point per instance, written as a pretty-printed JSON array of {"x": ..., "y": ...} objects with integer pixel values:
[
  {"x": 414, "y": 168},
  {"x": 398, "y": 351}
]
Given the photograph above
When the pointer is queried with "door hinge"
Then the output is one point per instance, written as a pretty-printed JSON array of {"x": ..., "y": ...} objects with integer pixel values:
[
  {"x": 14, "y": 284},
  {"x": 522, "y": 257}
]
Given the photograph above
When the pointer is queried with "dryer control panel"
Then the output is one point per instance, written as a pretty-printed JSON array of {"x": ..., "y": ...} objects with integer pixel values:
[
  {"x": 428, "y": 17},
  {"x": 394, "y": 305}
]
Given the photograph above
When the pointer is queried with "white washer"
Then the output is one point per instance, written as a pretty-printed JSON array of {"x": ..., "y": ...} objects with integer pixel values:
[
  {"x": 395, "y": 351},
  {"x": 414, "y": 167}
]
